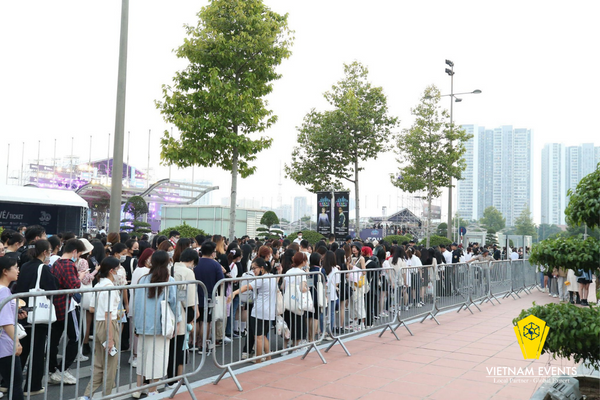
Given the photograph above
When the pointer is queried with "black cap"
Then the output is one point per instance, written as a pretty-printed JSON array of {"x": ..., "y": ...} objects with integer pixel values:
[
  {"x": 348, "y": 237},
  {"x": 485, "y": 251},
  {"x": 454, "y": 244}
]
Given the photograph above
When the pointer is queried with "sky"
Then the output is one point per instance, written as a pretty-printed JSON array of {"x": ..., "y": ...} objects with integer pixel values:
[{"x": 535, "y": 62}]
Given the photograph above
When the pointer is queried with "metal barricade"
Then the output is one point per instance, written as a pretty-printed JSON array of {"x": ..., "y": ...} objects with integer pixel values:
[
  {"x": 269, "y": 331},
  {"x": 530, "y": 274},
  {"x": 479, "y": 286},
  {"x": 365, "y": 301},
  {"x": 111, "y": 378},
  {"x": 517, "y": 278},
  {"x": 416, "y": 294},
  {"x": 454, "y": 288},
  {"x": 500, "y": 280}
]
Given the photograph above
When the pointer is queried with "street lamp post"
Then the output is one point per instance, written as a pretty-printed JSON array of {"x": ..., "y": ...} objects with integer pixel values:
[{"x": 453, "y": 98}]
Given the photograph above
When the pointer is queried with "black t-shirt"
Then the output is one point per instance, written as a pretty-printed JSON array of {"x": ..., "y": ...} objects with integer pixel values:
[{"x": 456, "y": 254}]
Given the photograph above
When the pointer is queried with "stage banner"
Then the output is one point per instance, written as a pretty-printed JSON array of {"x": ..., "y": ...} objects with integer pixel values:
[
  {"x": 342, "y": 215},
  {"x": 324, "y": 213}
]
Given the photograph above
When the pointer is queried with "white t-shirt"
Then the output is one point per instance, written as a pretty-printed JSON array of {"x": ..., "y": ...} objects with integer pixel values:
[
  {"x": 514, "y": 255},
  {"x": 103, "y": 305},
  {"x": 333, "y": 280},
  {"x": 183, "y": 273},
  {"x": 447, "y": 256},
  {"x": 265, "y": 298},
  {"x": 290, "y": 278}
]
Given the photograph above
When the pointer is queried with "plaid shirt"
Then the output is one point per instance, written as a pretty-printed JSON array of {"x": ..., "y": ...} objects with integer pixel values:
[{"x": 65, "y": 272}]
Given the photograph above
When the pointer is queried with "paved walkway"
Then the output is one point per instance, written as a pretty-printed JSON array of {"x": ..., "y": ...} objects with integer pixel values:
[{"x": 439, "y": 362}]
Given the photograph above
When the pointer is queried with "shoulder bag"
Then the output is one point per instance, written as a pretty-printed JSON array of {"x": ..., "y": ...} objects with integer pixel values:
[{"x": 42, "y": 309}]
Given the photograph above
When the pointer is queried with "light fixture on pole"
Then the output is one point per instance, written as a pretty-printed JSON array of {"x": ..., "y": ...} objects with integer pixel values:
[{"x": 453, "y": 98}]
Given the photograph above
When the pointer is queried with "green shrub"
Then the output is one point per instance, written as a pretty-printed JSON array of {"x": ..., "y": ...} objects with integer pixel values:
[
  {"x": 435, "y": 240},
  {"x": 312, "y": 236},
  {"x": 398, "y": 238},
  {"x": 574, "y": 331},
  {"x": 185, "y": 230},
  {"x": 572, "y": 253}
]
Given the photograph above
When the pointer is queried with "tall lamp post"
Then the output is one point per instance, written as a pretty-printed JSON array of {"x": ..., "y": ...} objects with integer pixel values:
[{"x": 453, "y": 98}]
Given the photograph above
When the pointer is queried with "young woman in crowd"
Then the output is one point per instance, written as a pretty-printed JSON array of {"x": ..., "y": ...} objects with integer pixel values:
[
  {"x": 143, "y": 268},
  {"x": 182, "y": 244},
  {"x": 11, "y": 371},
  {"x": 313, "y": 317},
  {"x": 148, "y": 324},
  {"x": 358, "y": 311},
  {"x": 265, "y": 305},
  {"x": 107, "y": 335},
  {"x": 344, "y": 290},
  {"x": 332, "y": 283},
  {"x": 294, "y": 278}
]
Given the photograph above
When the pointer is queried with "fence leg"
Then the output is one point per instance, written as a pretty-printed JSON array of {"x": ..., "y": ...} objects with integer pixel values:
[
  {"x": 337, "y": 340},
  {"x": 314, "y": 346},
  {"x": 432, "y": 317},
  {"x": 406, "y": 326},
  {"x": 187, "y": 385},
  {"x": 222, "y": 374},
  {"x": 391, "y": 330}
]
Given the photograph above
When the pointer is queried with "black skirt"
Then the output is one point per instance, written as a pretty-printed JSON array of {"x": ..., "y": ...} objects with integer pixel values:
[{"x": 297, "y": 325}]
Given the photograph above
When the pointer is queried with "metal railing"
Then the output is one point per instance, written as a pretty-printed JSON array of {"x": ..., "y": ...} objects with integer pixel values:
[
  {"x": 110, "y": 378},
  {"x": 365, "y": 301},
  {"x": 417, "y": 294},
  {"x": 294, "y": 326}
]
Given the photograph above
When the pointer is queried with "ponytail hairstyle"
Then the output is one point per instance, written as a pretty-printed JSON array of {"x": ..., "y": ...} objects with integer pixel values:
[
  {"x": 40, "y": 246},
  {"x": 14, "y": 238},
  {"x": 233, "y": 254},
  {"x": 261, "y": 263},
  {"x": 298, "y": 259}
]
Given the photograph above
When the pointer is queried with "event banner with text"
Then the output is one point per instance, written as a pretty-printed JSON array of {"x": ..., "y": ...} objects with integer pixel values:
[
  {"x": 324, "y": 213},
  {"x": 341, "y": 214}
]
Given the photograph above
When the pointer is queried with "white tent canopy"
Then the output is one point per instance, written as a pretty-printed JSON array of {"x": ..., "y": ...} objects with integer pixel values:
[{"x": 33, "y": 195}]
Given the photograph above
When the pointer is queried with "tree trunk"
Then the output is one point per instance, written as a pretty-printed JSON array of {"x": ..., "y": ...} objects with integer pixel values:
[
  {"x": 357, "y": 198},
  {"x": 428, "y": 212},
  {"x": 234, "y": 174}
]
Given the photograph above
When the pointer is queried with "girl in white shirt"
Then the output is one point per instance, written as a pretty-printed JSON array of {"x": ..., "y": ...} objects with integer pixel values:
[{"x": 106, "y": 330}]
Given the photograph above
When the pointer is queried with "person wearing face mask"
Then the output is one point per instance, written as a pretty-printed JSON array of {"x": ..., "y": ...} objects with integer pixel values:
[
  {"x": 27, "y": 280},
  {"x": 174, "y": 237},
  {"x": 131, "y": 257},
  {"x": 106, "y": 329},
  {"x": 65, "y": 271},
  {"x": 169, "y": 248},
  {"x": 120, "y": 252}
]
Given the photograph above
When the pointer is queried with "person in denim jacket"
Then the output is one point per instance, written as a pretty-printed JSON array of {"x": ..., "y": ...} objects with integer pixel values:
[{"x": 152, "y": 346}]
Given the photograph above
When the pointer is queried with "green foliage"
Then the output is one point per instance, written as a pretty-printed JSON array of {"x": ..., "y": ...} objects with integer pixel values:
[
  {"x": 442, "y": 229},
  {"x": 135, "y": 228},
  {"x": 333, "y": 145},
  {"x": 185, "y": 230},
  {"x": 1, "y": 230},
  {"x": 430, "y": 152},
  {"x": 572, "y": 253},
  {"x": 436, "y": 240},
  {"x": 584, "y": 202},
  {"x": 398, "y": 238},
  {"x": 546, "y": 230},
  {"x": 492, "y": 219},
  {"x": 136, "y": 206},
  {"x": 579, "y": 231},
  {"x": 524, "y": 224},
  {"x": 574, "y": 331},
  {"x": 269, "y": 219},
  {"x": 218, "y": 101},
  {"x": 312, "y": 236},
  {"x": 491, "y": 238}
]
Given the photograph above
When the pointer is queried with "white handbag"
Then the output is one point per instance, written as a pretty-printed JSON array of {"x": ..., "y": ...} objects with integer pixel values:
[
  {"x": 45, "y": 313},
  {"x": 87, "y": 299},
  {"x": 167, "y": 319},
  {"x": 218, "y": 312}
]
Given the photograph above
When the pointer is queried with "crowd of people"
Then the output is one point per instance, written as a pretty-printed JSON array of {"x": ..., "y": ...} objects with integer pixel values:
[{"x": 132, "y": 319}]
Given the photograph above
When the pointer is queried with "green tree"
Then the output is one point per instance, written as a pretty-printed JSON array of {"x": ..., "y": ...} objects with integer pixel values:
[
  {"x": 584, "y": 202},
  {"x": 492, "y": 219},
  {"x": 431, "y": 151},
  {"x": 332, "y": 145},
  {"x": 442, "y": 229},
  {"x": 185, "y": 230},
  {"x": 546, "y": 230},
  {"x": 312, "y": 236},
  {"x": 269, "y": 219},
  {"x": 436, "y": 240},
  {"x": 218, "y": 101},
  {"x": 490, "y": 237},
  {"x": 135, "y": 206},
  {"x": 524, "y": 224}
]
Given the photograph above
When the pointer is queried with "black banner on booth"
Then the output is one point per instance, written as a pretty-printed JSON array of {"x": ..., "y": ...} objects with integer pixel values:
[
  {"x": 324, "y": 213},
  {"x": 13, "y": 215},
  {"x": 341, "y": 214}
]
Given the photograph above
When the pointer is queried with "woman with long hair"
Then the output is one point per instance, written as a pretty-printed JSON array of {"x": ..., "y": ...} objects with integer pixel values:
[
  {"x": 148, "y": 317},
  {"x": 142, "y": 269},
  {"x": 181, "y": 245},
  {"x": 329, "y": 265},
  {"x": 295, "y": 278},
  {"x": 106, "y": 329},
  {"x": 344, "y": 290}
]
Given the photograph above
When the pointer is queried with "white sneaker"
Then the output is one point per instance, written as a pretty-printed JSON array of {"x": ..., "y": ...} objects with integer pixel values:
[
  {"x": 244, "y": 355},
  {"x": 133, "y": 362},
  {"x": 226, "y": 339},
  {"x": 82, "y": 358},
  {"x": 68, "y": 378},
  {"x": 554, "y": 295},
  {"x": 136, "y": 395},
  {"x": 55, "y": 378}
]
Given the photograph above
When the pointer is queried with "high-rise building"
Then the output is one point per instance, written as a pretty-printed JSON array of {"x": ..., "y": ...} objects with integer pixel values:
[
  {"x": 499, "y": 172},
  {"x": 300, "y": 208},
  {"x": 554, "y": 183},
  {"x": 562, "y": 169}
]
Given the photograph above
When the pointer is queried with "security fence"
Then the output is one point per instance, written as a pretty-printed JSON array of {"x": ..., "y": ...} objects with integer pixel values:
[{"x": 243, "y": 320}]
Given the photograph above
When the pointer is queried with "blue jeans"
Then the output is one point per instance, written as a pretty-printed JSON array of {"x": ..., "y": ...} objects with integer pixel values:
[
  {"x": 234, "y": 308},
  {"x": 541, "y": 276},
  {"x": 332, "y": 305}
]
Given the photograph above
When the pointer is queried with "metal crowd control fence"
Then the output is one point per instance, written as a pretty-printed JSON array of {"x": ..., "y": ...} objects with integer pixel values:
[
  {"x": 416, "y": 294},
  {"x": 45, "y": 338},
  {"x": 455, "y": 288},
  {"x": 361, "y": 301},
  {"x": 500, "y": 280},
  {"x": 530, "y": 273},
  {"x": 479, "y": 282},
  {"x": 296, "y": 325}
]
